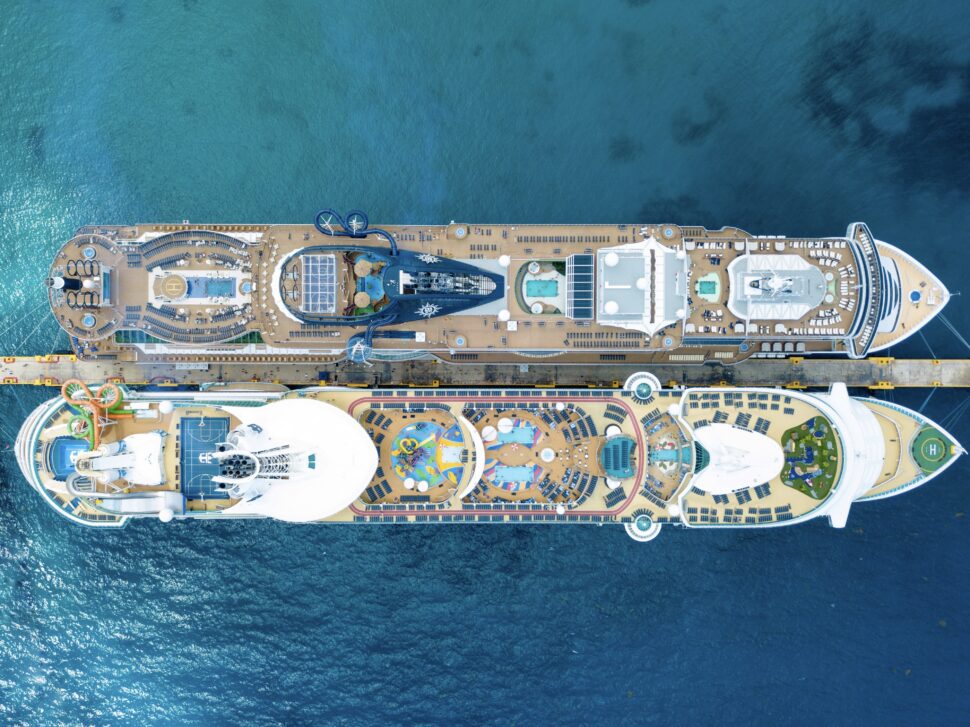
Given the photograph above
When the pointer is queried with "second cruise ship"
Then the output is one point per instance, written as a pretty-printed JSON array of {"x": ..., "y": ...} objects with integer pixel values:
[
  {"x": 342, "y": 289},
  {"x": 639, "y": 456}
]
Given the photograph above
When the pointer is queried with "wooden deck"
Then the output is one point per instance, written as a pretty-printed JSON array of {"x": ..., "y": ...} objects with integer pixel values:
[
  {"x": 205, "y": 328},
  {"x": 569, "y": 485}
]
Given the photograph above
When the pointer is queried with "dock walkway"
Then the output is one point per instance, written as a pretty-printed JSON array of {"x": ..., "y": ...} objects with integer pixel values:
[{"x": 872, "y": 373}]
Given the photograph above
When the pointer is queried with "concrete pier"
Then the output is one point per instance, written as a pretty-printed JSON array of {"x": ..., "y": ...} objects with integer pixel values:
[{"x": 873, "y": 373}]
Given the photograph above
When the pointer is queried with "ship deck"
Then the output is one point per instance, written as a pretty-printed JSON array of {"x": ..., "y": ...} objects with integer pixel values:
[
  {"x": 243, "y": 316},
  {"x": 545, "y": 455}
]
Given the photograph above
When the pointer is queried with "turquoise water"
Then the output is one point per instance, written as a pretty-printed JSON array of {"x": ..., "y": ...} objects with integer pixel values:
[
  {"x": 706, "y": 287},
  {"x": 373, "y": 285},
  {"x": 210, "y": 288},
  {"x": 518, "y": 435},
  {"x": 671, "y": 455},
  {"x": 782, "y": 118},
  {"x": 541, "y": 288},
  {"x": 507, "y": 473}
]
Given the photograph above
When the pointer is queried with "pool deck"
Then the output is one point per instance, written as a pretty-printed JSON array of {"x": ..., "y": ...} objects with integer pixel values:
[{"x": 573, "y": 423}]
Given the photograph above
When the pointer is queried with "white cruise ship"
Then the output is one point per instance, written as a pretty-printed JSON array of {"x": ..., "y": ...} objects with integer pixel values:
[
  {"x": 639, "y": 456},
  {"x": 465, "y": 293}
]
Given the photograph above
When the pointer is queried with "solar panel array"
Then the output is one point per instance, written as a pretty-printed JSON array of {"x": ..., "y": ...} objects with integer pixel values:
[
  {"x": 579, "y": 287},
  {"x": 319, "y": 283}
]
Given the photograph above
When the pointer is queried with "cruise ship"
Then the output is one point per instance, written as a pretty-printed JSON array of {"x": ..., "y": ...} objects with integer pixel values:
[
  {"x": 341, "y": 289},
  {"x": 639, "y": 455}
]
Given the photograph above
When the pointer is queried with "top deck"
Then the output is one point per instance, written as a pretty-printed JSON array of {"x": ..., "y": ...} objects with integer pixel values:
[
  {"x": 575, "y": 294},
  {"x": 700, "y": 457}
]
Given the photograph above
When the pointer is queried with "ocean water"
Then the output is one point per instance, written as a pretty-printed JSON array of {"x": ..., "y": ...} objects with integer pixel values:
[{"x": 782, "y": 118}]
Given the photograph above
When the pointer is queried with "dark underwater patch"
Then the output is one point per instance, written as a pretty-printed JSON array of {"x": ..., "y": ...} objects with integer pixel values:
[
  {"x": 633, "y": 51},
  {"x": 523, "y": 47},
  {"x": 879, "y": 91},
  {"x": 35, "y": 142},
  {"x": 687, "y": 129},
  {"x": 116, "y": 13},
  {"x": 936, "y": 147},
  {"x": 624, "y": 149}
]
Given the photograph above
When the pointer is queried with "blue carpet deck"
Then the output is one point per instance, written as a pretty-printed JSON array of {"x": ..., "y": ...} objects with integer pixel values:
[{"x": 199, "y": 437}]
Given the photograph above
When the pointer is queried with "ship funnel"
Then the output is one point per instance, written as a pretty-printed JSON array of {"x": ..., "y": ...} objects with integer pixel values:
[{"x": 60, "y": 283}]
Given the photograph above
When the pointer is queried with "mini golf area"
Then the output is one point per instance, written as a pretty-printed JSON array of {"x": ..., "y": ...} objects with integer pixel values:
[{"x": 811, "y": 458}]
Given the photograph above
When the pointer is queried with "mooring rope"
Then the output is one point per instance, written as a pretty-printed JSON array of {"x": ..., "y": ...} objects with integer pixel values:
[
  {"x": 954, "y": 416},
  {"x": 33, "y": 330},
  {"x": 954, "y": 331},
  {"x": 928, "y": 346},
  {"x": 927, "y": 399},
  {"x": 22, "y": 319}
]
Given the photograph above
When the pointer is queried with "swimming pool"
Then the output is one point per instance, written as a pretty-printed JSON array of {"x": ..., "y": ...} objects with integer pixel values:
[
  {"x": 519, "y": 435},
  {"x": 507, "y": 473},
  {"x": 371, "y": 284},
  {"x": 671, "y": 455},
  {"x": 706, "y": 287},
  {"x": 210, "y": 287},
  {"x": 542, "y": 288}
]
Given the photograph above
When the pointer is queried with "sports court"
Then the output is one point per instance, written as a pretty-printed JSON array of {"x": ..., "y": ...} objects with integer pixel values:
[{"x": 198, "y": 437}]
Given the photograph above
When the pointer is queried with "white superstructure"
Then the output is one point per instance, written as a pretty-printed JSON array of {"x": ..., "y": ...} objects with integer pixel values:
[{"x": 640, "y": 456}]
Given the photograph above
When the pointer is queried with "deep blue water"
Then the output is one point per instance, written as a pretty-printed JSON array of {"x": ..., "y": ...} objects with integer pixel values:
[{"x": 783, "y": 117}]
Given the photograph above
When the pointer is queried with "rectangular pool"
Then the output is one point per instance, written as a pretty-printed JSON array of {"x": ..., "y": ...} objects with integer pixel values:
[
  {"x": 505, "y": 473},
  {"x": 518, "y": 435},
  {"x": 210, "y": 287},
  {"x": 671, "y": 455},
  {"x": 542, "y": 288},
  {"x": 706, "y": 287}
]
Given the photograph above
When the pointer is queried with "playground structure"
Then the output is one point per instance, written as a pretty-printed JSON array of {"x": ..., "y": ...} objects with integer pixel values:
[{"x": 93, "y": 411}]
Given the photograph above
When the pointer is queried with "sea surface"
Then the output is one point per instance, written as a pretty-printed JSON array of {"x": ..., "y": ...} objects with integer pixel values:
[{"x": 784, "y": 117}]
